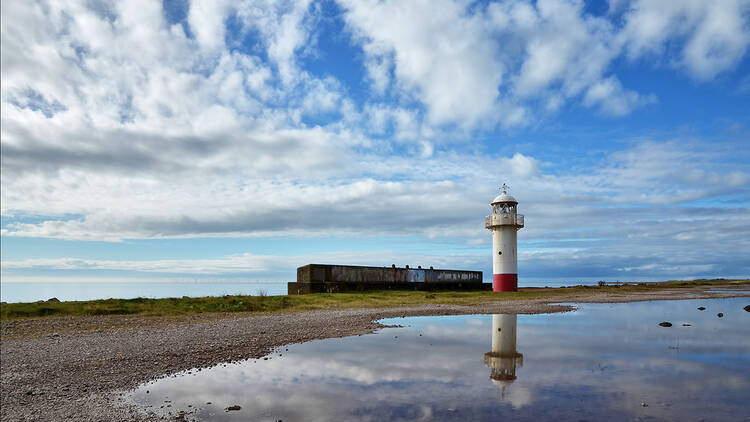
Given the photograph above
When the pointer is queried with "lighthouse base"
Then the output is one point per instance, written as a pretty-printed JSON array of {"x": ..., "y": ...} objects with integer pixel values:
[{"x": 504, "y": 282}]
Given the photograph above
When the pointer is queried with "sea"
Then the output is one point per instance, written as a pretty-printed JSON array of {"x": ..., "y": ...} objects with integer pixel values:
[
  {"x": 18, "y": 291},
  {"x": 90, "y": 290}
]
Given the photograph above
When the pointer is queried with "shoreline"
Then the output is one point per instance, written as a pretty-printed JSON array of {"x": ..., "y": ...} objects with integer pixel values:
[{"x": 77, "y": 368}]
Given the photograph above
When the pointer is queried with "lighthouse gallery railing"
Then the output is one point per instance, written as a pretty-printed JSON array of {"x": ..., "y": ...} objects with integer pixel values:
[{"x": 503, "y": 220}]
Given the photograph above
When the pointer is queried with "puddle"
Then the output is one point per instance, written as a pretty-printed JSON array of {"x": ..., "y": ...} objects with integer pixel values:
[
  {"x": 609, "y": 361},
  {"x": 728, "y": 291}
]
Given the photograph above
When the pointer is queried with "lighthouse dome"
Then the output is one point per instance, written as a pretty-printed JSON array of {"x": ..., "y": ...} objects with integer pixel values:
[{"x": 504, "y": 198}]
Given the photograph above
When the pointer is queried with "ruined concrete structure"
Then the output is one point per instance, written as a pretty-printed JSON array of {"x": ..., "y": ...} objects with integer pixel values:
[{"x": 319, "y": 278}]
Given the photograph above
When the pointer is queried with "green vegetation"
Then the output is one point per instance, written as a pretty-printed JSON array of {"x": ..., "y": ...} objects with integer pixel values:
[{"x": 380, "y": 299}]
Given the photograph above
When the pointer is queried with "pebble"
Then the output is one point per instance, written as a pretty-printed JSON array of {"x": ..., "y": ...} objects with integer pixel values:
[
  {"x": 665, "y": 324},
  {"x": 720, "y": 315},
  {"x": 231, "y": 408}
]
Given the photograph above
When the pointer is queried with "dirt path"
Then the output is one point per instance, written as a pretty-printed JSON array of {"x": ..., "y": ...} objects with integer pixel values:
[{"x": 76, "y": 368}]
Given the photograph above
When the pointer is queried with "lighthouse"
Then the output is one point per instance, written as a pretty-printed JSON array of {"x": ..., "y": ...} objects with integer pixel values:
[
  {"x": 503, "y": 358},
  {"x": 504, "y": 223}
]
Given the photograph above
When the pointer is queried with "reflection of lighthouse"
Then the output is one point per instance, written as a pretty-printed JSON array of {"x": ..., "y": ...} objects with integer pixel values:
[
  {"x": 503, "y": 358},
  {"x": 504, "y": 223}
]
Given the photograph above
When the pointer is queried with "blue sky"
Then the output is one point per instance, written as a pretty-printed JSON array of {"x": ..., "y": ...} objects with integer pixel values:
[{"x": 239, "y": 140}]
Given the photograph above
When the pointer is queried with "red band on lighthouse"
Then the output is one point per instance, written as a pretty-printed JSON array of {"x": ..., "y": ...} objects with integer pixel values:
[{"x": 504, "y": 282}]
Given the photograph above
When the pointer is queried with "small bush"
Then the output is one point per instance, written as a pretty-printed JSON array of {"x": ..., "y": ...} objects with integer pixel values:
[{"x": 111, "y": 311}]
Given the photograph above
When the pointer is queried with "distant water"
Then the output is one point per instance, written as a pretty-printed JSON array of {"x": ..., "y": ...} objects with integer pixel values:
[{"x": 31, "y": 292}]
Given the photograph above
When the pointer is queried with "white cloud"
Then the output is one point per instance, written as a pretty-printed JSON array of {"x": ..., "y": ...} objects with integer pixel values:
[
  {"x": 563, "y": 46},
  {"x": 427, "y": 149},
  {"x": 522, "y": 166},
  {"x": 613, "y": 99},
  {"x": 439, "y": 52},
  {"x": 117, "y": 125},
  {"x": 285, "y": 27},
  {"x": 716, "y": 33},
  {"x": 477, "y": 67},
  {"x": 206, "y": 19},
  {"x": 246, "y": 264}
]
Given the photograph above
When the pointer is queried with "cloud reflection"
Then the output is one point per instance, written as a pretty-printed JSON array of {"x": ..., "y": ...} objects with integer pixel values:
[{"x": 603, "y": 361}]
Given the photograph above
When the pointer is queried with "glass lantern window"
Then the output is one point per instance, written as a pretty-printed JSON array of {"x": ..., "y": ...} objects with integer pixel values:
[{"x": 504, "y": 208}]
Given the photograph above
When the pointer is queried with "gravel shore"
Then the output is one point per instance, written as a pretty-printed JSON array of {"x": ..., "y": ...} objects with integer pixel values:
[{"x": 76, "y": 368}]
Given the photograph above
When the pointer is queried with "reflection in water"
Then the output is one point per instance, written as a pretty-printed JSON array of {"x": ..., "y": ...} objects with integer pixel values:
[
  {"x": 601, "y": 362},
  {"x": 503, "y": 358}
]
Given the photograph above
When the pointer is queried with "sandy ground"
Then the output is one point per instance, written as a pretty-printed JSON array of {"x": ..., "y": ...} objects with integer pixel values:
[{"x": 77, "y": 368}]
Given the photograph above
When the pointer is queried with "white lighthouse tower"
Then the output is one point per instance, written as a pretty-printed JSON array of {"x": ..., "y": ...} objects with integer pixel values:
[{"x": 504, "y": 223}]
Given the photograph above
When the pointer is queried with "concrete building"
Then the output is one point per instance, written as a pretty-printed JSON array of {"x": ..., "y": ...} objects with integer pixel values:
[
  {"x": 504, "y": 223},
  {"x": 320, "y": 278}
]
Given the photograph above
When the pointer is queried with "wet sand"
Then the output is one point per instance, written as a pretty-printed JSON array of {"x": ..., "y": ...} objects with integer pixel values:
[{"x": 77, "y": 368}]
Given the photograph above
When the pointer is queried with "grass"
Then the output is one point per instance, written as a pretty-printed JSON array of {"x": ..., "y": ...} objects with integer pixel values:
[{"x": 265, "y": 303}]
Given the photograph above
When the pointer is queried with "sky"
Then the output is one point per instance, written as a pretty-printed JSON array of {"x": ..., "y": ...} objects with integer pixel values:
[{"x": 237, "y": 140}]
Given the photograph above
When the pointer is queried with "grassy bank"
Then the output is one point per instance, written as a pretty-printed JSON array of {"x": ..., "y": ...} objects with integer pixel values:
[{"x": 383, "y": 299}]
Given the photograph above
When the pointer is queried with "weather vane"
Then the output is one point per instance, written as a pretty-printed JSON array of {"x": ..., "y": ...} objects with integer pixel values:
[{"x": 505, "y": 188}]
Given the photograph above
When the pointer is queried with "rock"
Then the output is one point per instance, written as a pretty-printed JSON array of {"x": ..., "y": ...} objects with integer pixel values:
[
  {"x": 701, "y": 308},
  {"x": 231, "y": 408},
  {"x": 665, "y": 324},
  {"x": 747, "y": 309},
  {"x": 720, "y": 315},
  {"x": 54, "y": 300},
  {"x": 685, "y": 325}
]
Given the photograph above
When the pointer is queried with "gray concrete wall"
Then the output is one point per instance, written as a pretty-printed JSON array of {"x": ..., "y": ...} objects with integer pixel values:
[
  {"x": 323, "y": 273},
  {"x": 340, "y": 287}
]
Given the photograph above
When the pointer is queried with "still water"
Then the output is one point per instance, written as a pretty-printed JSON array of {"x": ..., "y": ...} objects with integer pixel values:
[
  {"x": 22, "y": 291},
  {"x": 31, "y": 292},
  {"x": 608, "y": 361}
]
